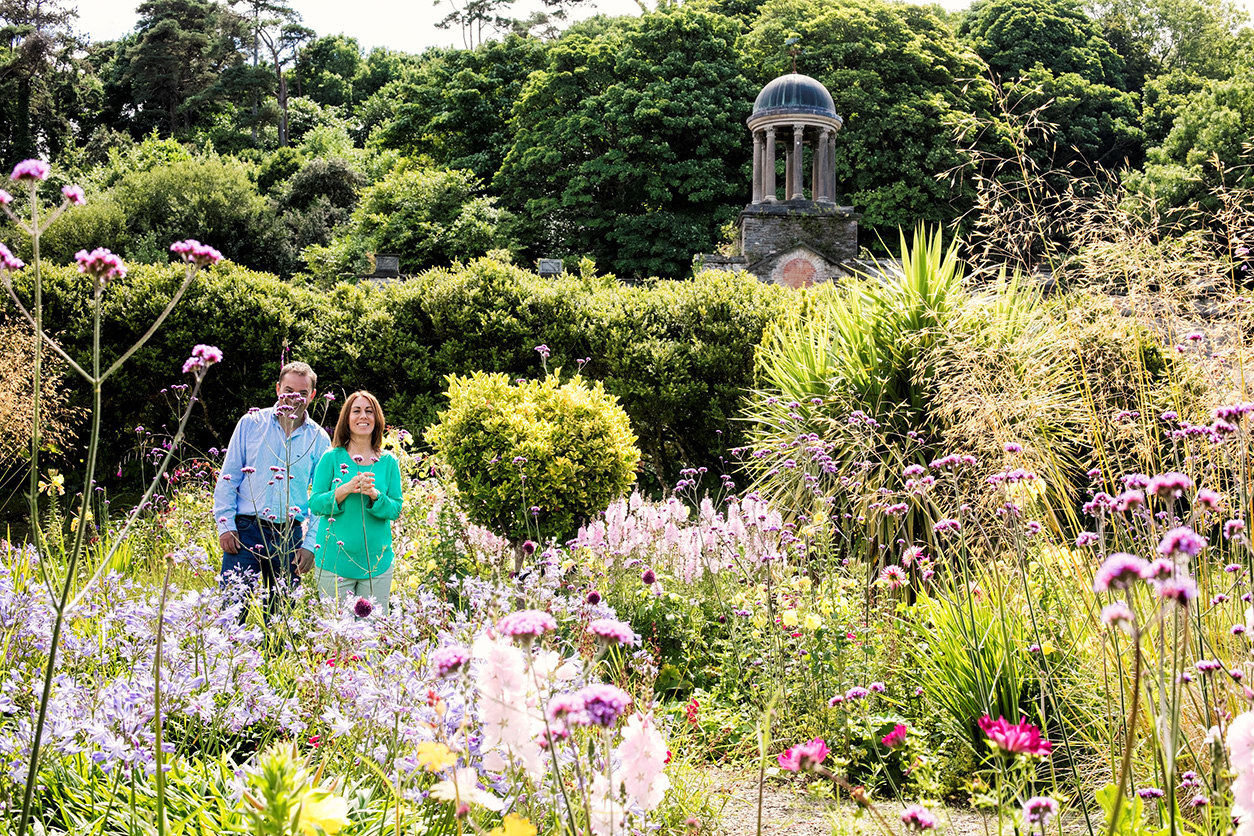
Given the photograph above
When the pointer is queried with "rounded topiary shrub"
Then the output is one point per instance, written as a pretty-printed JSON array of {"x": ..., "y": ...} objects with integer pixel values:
[{"x": 535, "y": 459}]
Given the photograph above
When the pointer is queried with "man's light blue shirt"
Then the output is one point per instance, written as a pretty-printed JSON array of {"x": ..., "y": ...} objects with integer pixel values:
[{"x": 267, "y": 473}]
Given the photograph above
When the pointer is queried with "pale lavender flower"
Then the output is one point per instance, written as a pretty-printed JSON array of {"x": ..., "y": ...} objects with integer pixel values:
[
  {"x": 604, "y": 703},
  {"x": 918, "y": 818},
  {"x": 9, "y": 261},
  {"x": 194, "y": 252},
  {"x": 74, "y": 194},
  {"x": 1038, "y": 810},
  {"x": 101, "y": 264},
  {"x": 30, "y": 170},
  {"x": 1181, "y": 540},
  {"x": 612, "y": 631},
  {"x": 526, "y": 624},
  {"x": 1120, "y": 571}
]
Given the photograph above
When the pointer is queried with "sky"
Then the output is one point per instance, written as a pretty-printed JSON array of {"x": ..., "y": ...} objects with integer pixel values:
[{"x": 407, "y": 25}]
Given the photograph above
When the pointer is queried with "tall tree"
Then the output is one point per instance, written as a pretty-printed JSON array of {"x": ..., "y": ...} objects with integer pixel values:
[
  {"x": 48, "y": 92},
  {"x": 175, "y": 64},
  {"x": 276, "y": 30},
  {"x": 630, "y": 146}
]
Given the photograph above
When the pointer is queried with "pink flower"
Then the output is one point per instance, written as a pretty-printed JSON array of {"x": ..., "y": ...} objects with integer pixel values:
[
  {"x": 918, "y": 818},
  {"x": 1120, "y": 571},
  {"x": 896, "y": 737},
  {"x": 803, "y": 756},
  {"x": 5, "y": 198},
  {"x": 1021, "y": 739},
  {"x": 74, "y": 194},
  {"x": 203, "y": 356},
  {"x": 1038, "y": 810},
  {"x": 449, "y": 660},
  {"x": 612, "y": 631},
  {"x": 30, "y": 170},
  {"x": 604, "y": 703},
  {"x": 9, "y": 261},
  {"x": 100, "y": 264},
  {"x": 644, "y": 758},
  {"x": 194, "y": 252},
  {"x": 526, "y": 624}
]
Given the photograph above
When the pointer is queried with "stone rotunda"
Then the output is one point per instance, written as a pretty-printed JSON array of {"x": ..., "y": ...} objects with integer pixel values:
[{"x": 794, "y": 233}]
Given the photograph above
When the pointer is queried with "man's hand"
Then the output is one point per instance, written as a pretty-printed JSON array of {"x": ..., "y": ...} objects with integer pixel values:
[
  {"x": 229, "y": 541},
  {"x": 304, "y": 560}
]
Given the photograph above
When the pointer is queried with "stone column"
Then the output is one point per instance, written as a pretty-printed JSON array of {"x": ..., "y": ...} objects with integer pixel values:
[
  {"x": 768, "y": 167},
  {"x": 830, "y": 153},
  {"x": 788, "y": 167},
  {"x": 816, "y": 168},
  {"x": 796, "y": 191},
  {"x": 757, "y": 167}
]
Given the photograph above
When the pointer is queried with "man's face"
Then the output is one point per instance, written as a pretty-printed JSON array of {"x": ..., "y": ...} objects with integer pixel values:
[{"x": 295, "y": 392}]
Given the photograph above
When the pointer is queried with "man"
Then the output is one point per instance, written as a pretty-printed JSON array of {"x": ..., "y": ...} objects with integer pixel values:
[{"x": 261, "y": 500}]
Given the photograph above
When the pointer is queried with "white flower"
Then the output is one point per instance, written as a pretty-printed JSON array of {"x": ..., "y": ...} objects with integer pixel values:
[
  {"x": 463, "y": 788},
  {"x": 643, "y": 754},
  {"x": 1241, "y": 756}
]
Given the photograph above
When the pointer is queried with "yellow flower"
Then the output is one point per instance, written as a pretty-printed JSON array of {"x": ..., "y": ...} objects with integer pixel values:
[
  {"x": 1047, "y": 648},
  {"x": 514, "y": 826},
  {"x": 323, "y": 813},
  {"x": 789, "y": 618},
  {"x": 54, "y": 485},
  {"x": 436, "y": 757},
  {"x": 432, "y": 565},
  {"x": 813, "y": 621}
]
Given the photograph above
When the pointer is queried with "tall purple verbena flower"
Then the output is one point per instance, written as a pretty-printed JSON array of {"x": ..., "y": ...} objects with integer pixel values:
[
  {"x": 1038, "y": 810},
  {"x": 611, "y": 631},
  {"x": 9, "y": 261},
  {"x": 1181, "y": 540},
  {"x": 1120, "y": 571},
  {"x": 101, "y": 264},
  {"x": 74, "y": 194},
  {"x": 526, "y": 624},
  {"x": 31, "y": 170},
  {"x": 918, "y": 818},
  {"x": 194, "y": 252}
]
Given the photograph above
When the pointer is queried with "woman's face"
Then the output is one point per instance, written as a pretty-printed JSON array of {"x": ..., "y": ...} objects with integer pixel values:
[{"x": 361, "y": 417}]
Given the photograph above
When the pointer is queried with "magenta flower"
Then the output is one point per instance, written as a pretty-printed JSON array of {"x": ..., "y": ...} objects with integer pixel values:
[
  {"x": 194, "y": 252},
  {"x": 1169, "y": 485},
  {"x": 543, "y": 351},
  {"x": 918, "y": 818},
  {"x": 593, "y": 597},
  {"x": 1116, "y": 614},
  {"x": 449, "y": 660},
  {"x": 1038, "y": 810},
  {"x": 1021, "y": 739},
  {"x": 803, "y": 756},
  {"x": 74, "y": 194},
  {"x": 604, "y": 703},
  {"x": 1233, "y": 528},
  {"x": 1181, "y": 540},
  {"x": 528, "y": 548},
  {"x": 203, "y": 356},
  {"x": 568, "y": 708},
  {"x": 363, "y": 608},
  {"x": 5, "y": 198},
  {"x": 896, "y": 737},
  {"x": 1120, "y": 571},
  {"x": 9, "y": 261},
  {"x": 1179, "y": 588},
  {"x": 100, "y": 264},
  {"x": 648, "y": 577},
  {"x": 30, "y": 170},
  {"x": 526, "y": 624},
  {"x": 612, "y": 631}
]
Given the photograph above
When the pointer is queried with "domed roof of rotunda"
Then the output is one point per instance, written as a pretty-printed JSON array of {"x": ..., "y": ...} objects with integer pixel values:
[{"x": 794, "y": 93}]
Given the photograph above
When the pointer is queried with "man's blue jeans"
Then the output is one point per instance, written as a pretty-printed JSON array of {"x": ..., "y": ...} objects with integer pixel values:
[{"x": 267, "y": 552}]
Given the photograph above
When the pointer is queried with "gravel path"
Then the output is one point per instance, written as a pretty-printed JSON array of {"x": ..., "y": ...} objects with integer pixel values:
[{"x": 788, "y": 811}]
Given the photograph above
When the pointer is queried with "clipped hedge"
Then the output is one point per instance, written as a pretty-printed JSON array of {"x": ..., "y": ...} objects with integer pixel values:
[{"x": 678, "y": 355}]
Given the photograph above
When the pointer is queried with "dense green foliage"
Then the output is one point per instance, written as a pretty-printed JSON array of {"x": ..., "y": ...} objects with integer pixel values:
[
  {"x": 678, "y": 355},
  {"x": 535, "y": 459},
  {"x": 619, "y": 139}
]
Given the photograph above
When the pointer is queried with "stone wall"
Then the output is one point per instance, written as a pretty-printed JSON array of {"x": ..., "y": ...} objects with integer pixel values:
[{"x": 767, "y": 228}]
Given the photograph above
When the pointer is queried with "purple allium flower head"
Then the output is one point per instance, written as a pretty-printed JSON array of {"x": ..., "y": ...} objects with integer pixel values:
[
  {"x": 203, "y": 356},
  {"x": 918, "y": 818},
  {"x": 1181, "y": 540},
  {"x": 101, "y": 264},
  {"x": 1207, "y": 500},
  {"x": 1038, "y": 810},
  {"x": 803, "y": 756},
  {"x": 194, "y": 252},
  {"x": 9, "y": 261},
  {"x": 362, "y": 608},
  {"x": 74, "y": 194},
  {"x": 1120, "y": 571},
  {"x": 648, "y": 577},
  {"x": 526, "y": 624},
  {"x": 612, "y": 631},
  {"x": 528, "y": 548},
  {"x": 30, "y": 170},
  {"x": 593, "y": 597},
  {"x": 604, "y": 703},
  {"x": 449, "y": 659},
  {"x": 1160, "y": 570}
]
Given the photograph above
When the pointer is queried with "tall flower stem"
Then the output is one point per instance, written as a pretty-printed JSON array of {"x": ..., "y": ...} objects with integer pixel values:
[{"x": 158, "y": 754}]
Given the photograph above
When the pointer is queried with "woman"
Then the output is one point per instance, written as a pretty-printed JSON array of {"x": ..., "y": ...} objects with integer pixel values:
[{"x": 357, "y": 490}]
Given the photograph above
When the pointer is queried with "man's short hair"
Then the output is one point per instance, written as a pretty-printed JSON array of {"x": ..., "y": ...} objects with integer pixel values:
[{"x": 303, "y": 369}]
